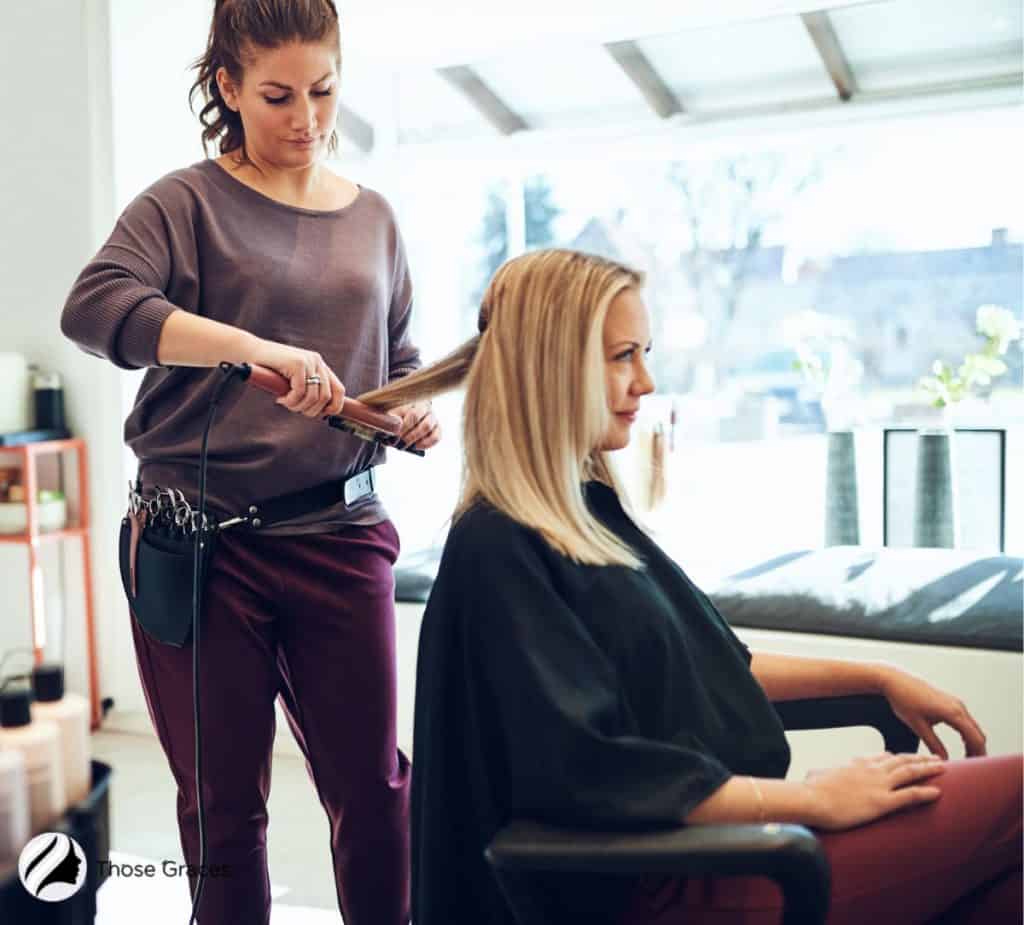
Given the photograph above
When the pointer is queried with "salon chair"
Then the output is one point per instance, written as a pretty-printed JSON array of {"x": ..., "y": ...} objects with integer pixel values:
[{"x": 790, "y": 855}]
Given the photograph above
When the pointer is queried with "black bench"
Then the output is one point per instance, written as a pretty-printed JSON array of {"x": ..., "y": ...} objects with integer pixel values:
[
  {"x": 947, "y": 597},
  {"x": 944, "y": 597}
]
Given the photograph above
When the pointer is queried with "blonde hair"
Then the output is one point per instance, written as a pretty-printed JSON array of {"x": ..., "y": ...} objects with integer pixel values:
[{"x": 535, "y": 408}]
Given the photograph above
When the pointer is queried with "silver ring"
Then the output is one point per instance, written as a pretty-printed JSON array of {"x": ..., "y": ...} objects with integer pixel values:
[{"x": 312, "y": 380}]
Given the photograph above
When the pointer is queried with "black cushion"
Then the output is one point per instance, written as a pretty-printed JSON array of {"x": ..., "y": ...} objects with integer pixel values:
[
  {"x": 414, "y": 575},
  {"x": 934, "y": 596}
]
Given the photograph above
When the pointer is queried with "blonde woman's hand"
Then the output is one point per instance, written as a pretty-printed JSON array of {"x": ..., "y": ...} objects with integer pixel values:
[
  {"x": 314, "y": 399},
  {"x": 922, "y": 706},
  {"x": 869, "y": 788},
  {"x": 420, "y": 428}
]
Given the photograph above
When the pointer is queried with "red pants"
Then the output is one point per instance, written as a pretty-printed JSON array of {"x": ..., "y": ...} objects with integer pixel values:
[
  {"x": 957, "y": 860},
  {"x": 310, "y": 619}
]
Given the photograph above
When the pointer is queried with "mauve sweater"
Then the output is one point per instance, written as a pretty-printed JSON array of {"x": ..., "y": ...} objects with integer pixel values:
[{"x": 333, "y": 281}]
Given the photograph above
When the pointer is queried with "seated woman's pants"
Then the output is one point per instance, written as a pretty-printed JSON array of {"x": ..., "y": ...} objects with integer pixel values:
[{"x": 957, "y": 860}]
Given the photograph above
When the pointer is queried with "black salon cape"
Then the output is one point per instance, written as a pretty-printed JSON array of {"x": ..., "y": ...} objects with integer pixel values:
[{"x": 569, "y": 694}]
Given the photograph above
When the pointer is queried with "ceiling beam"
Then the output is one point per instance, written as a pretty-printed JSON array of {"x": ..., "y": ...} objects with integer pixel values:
[
  {"x": 487, "y": 102},
  {"x": 643, "y": 135},
  {"x": 638, "y": 68},
  {"x": 819, "y": 27},
  {"x": 355, "y": 128}
]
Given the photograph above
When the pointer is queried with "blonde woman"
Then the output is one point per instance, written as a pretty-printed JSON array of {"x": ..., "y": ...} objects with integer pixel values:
[{"x": 570, "y": 672}]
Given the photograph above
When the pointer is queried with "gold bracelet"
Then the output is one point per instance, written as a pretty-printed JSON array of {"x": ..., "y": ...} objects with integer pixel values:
[{"x": 760, "y": 801}]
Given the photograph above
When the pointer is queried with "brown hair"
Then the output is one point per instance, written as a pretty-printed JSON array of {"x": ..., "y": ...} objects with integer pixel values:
[{"x": 238, "y": 28}]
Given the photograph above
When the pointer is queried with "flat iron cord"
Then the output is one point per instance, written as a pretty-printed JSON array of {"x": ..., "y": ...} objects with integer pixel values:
[{"x": 231, "y": 371}]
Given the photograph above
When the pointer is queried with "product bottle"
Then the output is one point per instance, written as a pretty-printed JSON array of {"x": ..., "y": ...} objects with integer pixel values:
[
  {"x": 49, "y": 400},
  {"x": 70, "y": 712},
  {"x": 15, "y": 393},
  {"x": 39, "y": 745},
  {"x": 14, "y": 816}
]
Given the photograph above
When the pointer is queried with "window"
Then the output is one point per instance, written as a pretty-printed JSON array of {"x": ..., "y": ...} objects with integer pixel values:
[{"x": 865, "y": 250}]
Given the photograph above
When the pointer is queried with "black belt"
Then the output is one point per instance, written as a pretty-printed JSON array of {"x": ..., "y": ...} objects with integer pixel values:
[
  {"x": 168, "y": 506},
  {"x": 305, "y": 501}
]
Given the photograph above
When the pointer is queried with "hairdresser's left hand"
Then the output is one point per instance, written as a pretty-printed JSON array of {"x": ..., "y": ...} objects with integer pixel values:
[
  {"x": 922, "y": 706},
  {"x": 420, "y": 428}
]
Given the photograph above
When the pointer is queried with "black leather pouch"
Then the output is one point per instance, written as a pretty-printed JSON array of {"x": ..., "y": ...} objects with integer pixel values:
[{"x": 157, "y": 568}]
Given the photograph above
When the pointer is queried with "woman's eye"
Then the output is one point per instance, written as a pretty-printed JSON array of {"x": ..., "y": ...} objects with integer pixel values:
[
  {"x": 627, "y": 355},
  {"x": 277, "y": 100}
]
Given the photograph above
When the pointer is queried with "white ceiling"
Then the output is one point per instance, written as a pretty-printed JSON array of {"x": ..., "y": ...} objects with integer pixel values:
[
  {"x": 545, "y": 59},
  {"x": 444, "y": 32},
  {"x": 741, "y": 63},
  {"x": 913, "y": 41}
]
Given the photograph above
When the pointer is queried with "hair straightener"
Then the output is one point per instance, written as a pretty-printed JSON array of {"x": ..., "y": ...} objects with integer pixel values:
[{"x": 355, "y": 418}]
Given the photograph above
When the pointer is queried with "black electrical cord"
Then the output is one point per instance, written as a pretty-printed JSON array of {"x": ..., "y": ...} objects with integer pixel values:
[{"x": 230, "y": 371}]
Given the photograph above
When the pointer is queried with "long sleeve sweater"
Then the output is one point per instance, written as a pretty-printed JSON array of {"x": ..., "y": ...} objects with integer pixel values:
[{"x": 332, "y": 281}]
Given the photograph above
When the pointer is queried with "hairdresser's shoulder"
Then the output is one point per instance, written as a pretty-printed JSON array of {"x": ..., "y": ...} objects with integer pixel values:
[
  {"x": 376, "y": 202},
  {"x": 179, "y": 191}
]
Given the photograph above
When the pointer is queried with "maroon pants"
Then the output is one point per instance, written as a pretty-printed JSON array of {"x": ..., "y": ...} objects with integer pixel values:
[
  {"x": 957, "y": 860},
  {"x": 309, "y": 619}
]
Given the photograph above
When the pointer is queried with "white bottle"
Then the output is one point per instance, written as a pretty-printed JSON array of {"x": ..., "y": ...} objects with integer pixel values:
[
  {"x": 15, "y": 393},
  {"x": 70, "y": 713},
  {"x": 14, "y": 815},
  {"x": 39, "y": 744}
]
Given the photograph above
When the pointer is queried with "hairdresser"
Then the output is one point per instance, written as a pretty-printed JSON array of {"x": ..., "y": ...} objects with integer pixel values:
[{"x": 264, "y": 255}]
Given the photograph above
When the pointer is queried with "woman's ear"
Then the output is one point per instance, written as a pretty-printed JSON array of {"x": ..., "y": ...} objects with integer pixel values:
[{"x": 228, "y": 90}]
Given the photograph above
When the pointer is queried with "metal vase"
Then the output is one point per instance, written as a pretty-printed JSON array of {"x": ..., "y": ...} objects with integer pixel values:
[
  {"x": 935, "y": 509},
  {"x": 842, "y": 512}
]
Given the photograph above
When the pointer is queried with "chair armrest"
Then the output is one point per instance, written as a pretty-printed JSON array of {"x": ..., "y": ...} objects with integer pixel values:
[
  {"x": 788, "y": 854},
  {"x": 855, "y": 710}
]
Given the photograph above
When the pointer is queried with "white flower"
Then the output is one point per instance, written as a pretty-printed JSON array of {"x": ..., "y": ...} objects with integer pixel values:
[{"x": 998, "y": 324}]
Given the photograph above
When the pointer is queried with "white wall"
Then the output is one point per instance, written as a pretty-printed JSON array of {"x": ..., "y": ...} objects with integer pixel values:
[{"x": 55, "y": 195}]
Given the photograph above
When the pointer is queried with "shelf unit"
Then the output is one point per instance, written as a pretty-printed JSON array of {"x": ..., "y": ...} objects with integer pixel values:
[{"x": 28, "y": 455}]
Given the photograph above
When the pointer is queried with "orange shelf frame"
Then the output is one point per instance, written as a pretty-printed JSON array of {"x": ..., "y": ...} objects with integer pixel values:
[
  {"x": 33, "y": 538},
  {"x": 44, "y": 537}
]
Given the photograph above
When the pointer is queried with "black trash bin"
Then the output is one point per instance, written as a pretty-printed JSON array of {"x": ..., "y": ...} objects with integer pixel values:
[{"x": 88, "y": 822}]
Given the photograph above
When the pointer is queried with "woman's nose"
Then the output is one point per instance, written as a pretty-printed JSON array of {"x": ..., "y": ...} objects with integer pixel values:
[
  {"x": 643, "y": 384},
  {"x": 305, "y": 116}
]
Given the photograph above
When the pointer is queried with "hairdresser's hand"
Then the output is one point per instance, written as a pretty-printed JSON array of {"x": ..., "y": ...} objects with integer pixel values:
[
  {"x": 420, "y": 428},
  {"x": 314, "y": 400},
  {"x": 869, "y": 788},
  {"x": 921, "y": 706}
]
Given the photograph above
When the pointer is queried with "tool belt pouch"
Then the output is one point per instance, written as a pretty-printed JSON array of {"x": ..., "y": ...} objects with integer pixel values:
[
  {"x": 157, "y": 573},
  {"x": 157, "y": 547}
]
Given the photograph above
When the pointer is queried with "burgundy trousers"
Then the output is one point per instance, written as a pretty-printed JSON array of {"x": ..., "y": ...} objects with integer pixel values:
[
  {"x": 309, "y": 619},
  {"x": 957, "y": 860}
]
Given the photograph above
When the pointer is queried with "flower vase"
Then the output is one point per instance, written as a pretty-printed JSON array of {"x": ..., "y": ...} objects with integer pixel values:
[
  {"x": 936, "y": 520},
  {"x": 842, "y": 512}
]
